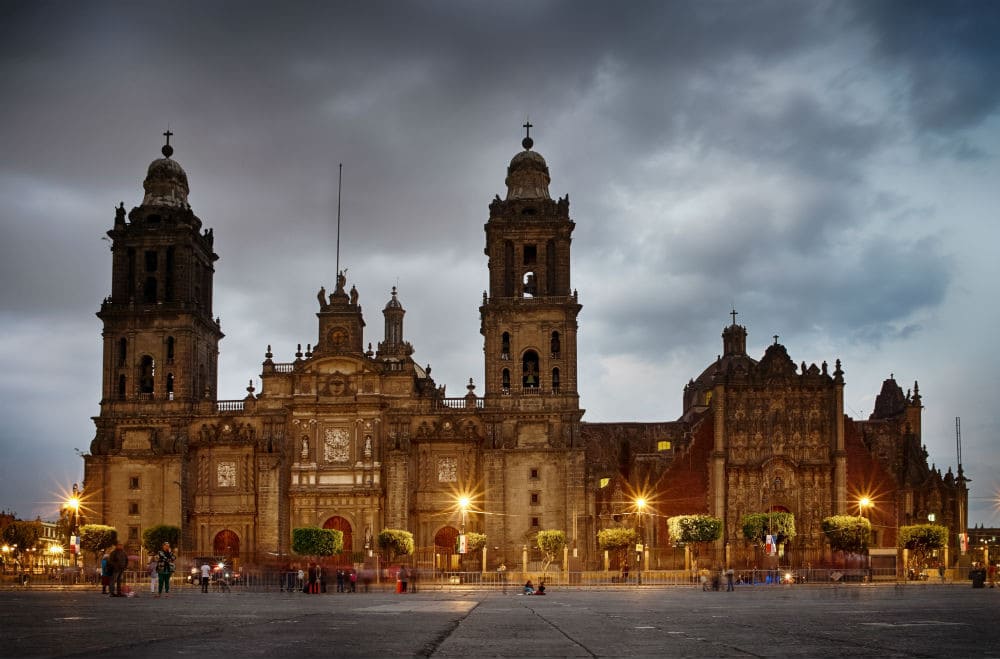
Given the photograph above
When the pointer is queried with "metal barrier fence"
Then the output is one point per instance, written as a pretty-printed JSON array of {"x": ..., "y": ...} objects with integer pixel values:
[{"x": 362, "y": 579}]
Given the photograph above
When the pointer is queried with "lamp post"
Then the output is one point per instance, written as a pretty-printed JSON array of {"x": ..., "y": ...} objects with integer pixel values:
[
  {"x": 864, "y": 503},
  {"x": 463, "y": 505},
  {"x": 640, "y": 506},
  {"x": 73, "y": 505}
]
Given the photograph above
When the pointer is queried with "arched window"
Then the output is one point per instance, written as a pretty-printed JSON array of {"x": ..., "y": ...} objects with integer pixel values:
[
  {"x": 555, "y": 345},
  {"x": 505, "y": 379},
  {"x": 149, "y": 290},
  {"x": 170, "y": 349},
  {"x": 122, "y": 351},
  {"x": 555, "y": 379},
  {"x": 147, "y": 375},
  {"x": 528, "y": 284},
  {"x": 529, "y": 370},
  {"x": 505, "y": 345},
  {"x": 121, "y": 387}
]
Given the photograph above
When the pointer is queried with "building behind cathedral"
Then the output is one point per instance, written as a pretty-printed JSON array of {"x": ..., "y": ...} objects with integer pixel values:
[{"x": 360, "y": 438}]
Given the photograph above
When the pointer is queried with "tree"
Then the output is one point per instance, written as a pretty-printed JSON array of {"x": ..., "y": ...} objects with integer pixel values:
[
  {"x": 921, "y": 540},
  {"x": 757, "y": 526},
  {"x": 97, "y": 538},
  {"x": 551, "y": 543},
  {"x": 847, "y": 533},
  {"x": 314, "y": 541},
  {"x": 694, "y": 530},
  {"x": 394, "y": 543},
  {"x": 619, "y": 540},
  {"x": 474, "y": 542},
  {"x": 154, "y": 537},
  {"x": 22, "y": 536}
]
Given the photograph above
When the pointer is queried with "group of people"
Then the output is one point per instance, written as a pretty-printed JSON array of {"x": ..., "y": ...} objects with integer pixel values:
[
  {"x": 529, "y": 588},
  {"x": 114, "y": 564}
]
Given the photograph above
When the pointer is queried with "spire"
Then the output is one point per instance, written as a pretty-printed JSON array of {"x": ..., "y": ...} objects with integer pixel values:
[{"x": 734, "y": 338}]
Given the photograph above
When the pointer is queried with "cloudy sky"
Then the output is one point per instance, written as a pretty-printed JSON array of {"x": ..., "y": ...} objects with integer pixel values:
[{"x": 829, "y": 169}]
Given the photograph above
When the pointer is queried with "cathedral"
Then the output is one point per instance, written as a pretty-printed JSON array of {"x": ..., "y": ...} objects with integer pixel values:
[{"x": 360, "y": 438}]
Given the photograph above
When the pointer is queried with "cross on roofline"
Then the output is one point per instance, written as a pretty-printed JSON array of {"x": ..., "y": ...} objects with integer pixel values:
[
  {"x": 167, "y": 135},
  {"x": 527, "y": 127},
  {"x": 733, "y": 313}
]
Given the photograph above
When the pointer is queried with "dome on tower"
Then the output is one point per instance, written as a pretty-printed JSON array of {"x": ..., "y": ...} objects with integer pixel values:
[
  {"x": 528, "y": 175},
  {"x": 393, "y": 303},
  {"x": 166, "y": 183}
]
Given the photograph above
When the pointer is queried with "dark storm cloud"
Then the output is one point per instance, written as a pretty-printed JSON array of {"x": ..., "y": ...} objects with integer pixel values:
[
  {"x": 948, "y": 51},
  {"x": 716, "y": 154}
]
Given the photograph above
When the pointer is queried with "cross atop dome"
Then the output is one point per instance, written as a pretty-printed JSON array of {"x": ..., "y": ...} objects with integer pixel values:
[
  {"x": 167, "y": 150},
  {"x": 527, "y": 142}
]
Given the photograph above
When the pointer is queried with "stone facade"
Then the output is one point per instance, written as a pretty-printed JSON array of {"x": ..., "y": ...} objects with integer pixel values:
[{"x": 360, "y": 439}]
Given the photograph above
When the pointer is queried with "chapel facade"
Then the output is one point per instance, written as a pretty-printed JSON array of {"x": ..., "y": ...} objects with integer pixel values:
[{"x": 360, "y": 438}]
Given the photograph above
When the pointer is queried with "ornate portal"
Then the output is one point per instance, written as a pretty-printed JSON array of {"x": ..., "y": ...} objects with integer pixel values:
[
  {"x": 447, "y": 470},
  {"x": 226, "y": 474},
  {"x": 336, "y": 448}
]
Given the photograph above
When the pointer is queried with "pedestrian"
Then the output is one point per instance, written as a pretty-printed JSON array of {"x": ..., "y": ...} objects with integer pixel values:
[
  {"x": 354, "y": 581},
  {"x": 313, "y": 586},
  {"x": 105, "y": 574},
  {"x": 206, "y": 574},
  {"x": 118, "y": 560},
  {"x": 729, "y": 580},
  {"x": 164, "y": 568},
  {"x": 321, "y": 576},
  {"x": 154, "y": 578},
  {"x": 404, "y": 578},
  {"x": 340, "y": 580},
  {"x": 502, "y": 576}
]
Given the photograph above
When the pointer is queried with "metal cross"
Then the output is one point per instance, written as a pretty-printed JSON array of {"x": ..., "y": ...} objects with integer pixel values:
[
  {"x": 775, "y": 339},
  {"x": 167, "y": 135},
  {"x": 527, "y": 127},
  {"x": 733, "y": 313}
]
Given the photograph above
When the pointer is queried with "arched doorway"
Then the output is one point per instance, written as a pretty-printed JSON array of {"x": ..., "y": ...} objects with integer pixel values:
[
  {"x": 338, "y": 523},
  {"x": 445, "y": 557},
  {"x": 227, "y": 544}
]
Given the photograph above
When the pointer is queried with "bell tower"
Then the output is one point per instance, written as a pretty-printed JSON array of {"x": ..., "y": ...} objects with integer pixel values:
[
  {"x": 160, "y": 340},
  {"x": 529, "y": 315}
]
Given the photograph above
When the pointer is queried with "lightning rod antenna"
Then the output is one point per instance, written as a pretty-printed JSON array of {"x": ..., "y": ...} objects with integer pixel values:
[
  {"x": 340, "y": 180},
  {"x": 958, "y": 440}
]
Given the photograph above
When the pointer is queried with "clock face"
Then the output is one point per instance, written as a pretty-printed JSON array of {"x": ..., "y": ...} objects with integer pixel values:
[{"x": 338, "y": 337}]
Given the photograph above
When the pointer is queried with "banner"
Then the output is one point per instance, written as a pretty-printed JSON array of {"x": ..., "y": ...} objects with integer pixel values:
[
  {"x": 769, "y": 545},
  {"x": 460, "y": 544}
]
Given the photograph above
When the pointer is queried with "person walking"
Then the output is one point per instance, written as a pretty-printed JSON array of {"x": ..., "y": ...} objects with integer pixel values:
[
  {"x": 164, "y": 568},
  {"x": 206, "y": 574},
  {"x": 118, "y": 560},
  {"x": 105, "y": 574},
  {"x": 154, "y": 578}
]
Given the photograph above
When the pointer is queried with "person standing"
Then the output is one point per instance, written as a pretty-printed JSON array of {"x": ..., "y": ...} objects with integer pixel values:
[
  {"x": 164, "y": 568},
  {"x": 729, "y": 580},
  {"x": 118, "y": 560},
  {"x": 404, "y": 578},
  {"x": 154, "y": 578},
  {"x": 206, "y": 574},
  {"x": 105, "y": 574}
]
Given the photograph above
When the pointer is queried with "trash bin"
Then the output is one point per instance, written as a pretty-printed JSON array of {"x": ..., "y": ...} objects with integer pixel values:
[{"x": 978, "y": 577}]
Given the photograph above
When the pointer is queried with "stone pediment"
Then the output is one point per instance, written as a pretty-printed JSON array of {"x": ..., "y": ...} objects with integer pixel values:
[{"x": 340, "y": 364}]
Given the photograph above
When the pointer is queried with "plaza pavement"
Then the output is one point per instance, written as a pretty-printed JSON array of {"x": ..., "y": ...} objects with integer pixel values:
[{"x": 777, "y": 621}]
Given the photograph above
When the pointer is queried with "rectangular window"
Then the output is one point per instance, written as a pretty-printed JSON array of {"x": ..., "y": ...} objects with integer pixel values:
[
  {"x": 534, "y": 498},
  {"x": 534, "y": 522},
  {"x": 530, "y": 254},
  {"x": 133, "y": 533},
  {"x": 534, "y": 473},
  {"x": 133, "y": 482},
  {"x": 151, "y": 261},
  {"x": 133, "y": 507},
  {"x": 662, "y": 445}
]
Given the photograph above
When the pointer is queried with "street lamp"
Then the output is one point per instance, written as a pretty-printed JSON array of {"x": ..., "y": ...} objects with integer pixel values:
[
  {"x": 640, "y": 506},
  {"x": 73, "y": 504}
]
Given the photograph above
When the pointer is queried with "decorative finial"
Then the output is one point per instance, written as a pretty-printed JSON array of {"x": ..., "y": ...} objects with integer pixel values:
[
  {"x": 167, "y": 150},
  {"x": 527, "y": 142},
  {"x": 775, "y": 339}
]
